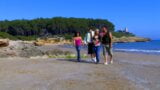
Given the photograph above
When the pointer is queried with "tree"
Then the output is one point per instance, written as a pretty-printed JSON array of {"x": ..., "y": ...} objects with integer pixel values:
[{"x": 54, "y": 26}]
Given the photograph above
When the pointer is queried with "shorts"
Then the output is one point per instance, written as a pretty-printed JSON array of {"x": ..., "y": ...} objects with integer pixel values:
[
  {"x": 90, "y": 48},
  {"x": 107, "y": 49}
]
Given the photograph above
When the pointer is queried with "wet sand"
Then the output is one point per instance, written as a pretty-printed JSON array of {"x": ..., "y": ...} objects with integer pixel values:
[{"x": 130, "y": 71}]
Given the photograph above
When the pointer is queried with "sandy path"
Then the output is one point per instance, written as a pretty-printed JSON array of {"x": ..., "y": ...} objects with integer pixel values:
[{"x": 50, "y": 74}]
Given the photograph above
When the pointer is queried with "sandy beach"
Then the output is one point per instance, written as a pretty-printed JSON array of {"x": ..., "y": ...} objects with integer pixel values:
[
  {"x": 45, "y": 44},
  {"x": 130, "y": 71}
]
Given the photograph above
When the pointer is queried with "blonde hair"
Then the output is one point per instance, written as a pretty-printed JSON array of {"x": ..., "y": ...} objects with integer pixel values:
[{"x": 96, "y": 30}]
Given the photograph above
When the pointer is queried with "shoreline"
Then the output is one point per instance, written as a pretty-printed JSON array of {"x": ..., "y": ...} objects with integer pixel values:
[{"x": 138, "y": 52}]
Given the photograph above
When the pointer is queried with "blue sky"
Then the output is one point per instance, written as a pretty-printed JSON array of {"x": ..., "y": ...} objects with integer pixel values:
[{"x": 141, "y": 17}]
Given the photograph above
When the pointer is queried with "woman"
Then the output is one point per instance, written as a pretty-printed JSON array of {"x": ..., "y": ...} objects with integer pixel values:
[
  {"x": 97, "y": 45},
  {"x": 77, "y": 43},
  {"x": 107, "y": 45}
]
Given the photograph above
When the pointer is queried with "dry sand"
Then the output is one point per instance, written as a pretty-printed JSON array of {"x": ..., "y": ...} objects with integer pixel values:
[
  {"x": 50, "y": 74},
  {"x": 129, "y": 72}
]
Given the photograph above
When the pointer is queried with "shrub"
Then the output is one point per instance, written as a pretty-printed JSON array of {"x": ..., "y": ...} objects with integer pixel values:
[{"x": 6, "y": 35}]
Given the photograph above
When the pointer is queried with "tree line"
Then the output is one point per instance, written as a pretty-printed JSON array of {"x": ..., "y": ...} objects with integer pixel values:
[{"x": 53, "y": 26}]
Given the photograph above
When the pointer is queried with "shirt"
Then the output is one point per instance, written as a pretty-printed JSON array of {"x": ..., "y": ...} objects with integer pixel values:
[
  {"x": 78, "y": 41},
  {"x": 88, "y": 37},
  {"x": 96, "y": 40}
]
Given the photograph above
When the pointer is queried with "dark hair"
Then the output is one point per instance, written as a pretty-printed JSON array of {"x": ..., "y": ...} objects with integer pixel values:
[
  {"x": 104, "y": 26},
  {"x": 76, "y": 34},
  {"x": 91, "y": 27}
]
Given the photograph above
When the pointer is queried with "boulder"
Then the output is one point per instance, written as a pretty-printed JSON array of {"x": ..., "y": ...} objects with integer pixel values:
[{"x": 4, "y": 42}]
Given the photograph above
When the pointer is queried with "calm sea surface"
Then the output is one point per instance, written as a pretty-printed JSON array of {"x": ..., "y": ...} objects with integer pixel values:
[{"x": 151, "y": 47}]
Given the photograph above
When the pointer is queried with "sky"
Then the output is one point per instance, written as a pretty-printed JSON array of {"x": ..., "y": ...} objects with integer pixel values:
[{"x": 141, "y": 17}]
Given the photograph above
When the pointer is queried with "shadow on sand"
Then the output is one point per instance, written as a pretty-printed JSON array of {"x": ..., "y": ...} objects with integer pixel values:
[{"x": 74, "y": 60}]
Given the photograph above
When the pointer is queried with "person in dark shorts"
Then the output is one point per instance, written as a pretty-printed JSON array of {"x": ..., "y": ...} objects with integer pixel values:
[
  {"x": 90, "y": 48},
  {"x": 88, "y": 40},
  {"x": 106, "y": 41}
]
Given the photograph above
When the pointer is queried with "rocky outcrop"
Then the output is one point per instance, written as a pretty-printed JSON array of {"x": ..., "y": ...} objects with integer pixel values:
[
  {"x": 130, "y": 39},
  {"x": 20, "y": 49},
  {"x": 49, "y": 41},
  {"x": 4, "y": 42}
]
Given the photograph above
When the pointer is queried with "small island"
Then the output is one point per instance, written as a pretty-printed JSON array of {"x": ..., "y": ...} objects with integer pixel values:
[{"x": 123, "y": 36}]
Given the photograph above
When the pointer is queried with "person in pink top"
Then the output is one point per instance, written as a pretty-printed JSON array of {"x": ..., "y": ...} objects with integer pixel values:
[{"x": 78, "y": 43}]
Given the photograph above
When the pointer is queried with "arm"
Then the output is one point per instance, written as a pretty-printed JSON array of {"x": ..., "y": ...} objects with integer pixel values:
[
  {"x": 82, "y": 41},
  {"x": 85, "y": 38},
  {"x": 74, "y": 41}
]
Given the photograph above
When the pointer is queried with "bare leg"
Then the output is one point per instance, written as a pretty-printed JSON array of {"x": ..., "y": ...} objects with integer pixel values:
[
  {"x": 93, "y": 56},
  {"x": 105, "y": 58},
  {"x": 105, "y": 54},
  {"x": 111, "y": 59}
]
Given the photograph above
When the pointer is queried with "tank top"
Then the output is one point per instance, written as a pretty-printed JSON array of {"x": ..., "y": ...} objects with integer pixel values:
[
  {"x": 106, "y": 39},
  {"x": 78, "y": 41}
]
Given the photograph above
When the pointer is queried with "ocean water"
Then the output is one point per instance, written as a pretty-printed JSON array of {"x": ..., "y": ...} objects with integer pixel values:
[{"x": 151, "y": 47}]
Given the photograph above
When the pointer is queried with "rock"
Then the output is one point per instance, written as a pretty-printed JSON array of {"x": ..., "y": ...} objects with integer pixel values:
[
  {"x": 20, "y": 49},
  {"x": 29, "y": 50},
  {"x": 4, "y": 42},
  {"x": 50, "y": 41},
  {"x": 39, "y": 43}
]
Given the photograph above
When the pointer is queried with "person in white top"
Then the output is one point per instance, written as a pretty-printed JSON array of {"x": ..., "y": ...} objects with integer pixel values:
[{"x": 88, "y": 40}]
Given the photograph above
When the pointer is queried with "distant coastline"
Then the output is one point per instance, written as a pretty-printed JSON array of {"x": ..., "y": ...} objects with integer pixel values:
[{"x": 130, "y": 39}]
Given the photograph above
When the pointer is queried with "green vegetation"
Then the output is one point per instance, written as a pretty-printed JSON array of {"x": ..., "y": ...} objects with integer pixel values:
[
  {"x": 11, "y": 37},
  {"x": 56, "y": 53},
  {"x": 69, "y": 56},
  {"x": 54, "y": 26},
  {"x": 6, "y": 35},
  {"x": 44, "y": 27},
  {"x": 28, "y": 38}
]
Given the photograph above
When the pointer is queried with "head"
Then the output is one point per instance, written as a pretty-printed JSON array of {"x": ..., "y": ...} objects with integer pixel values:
[
  {"x": 77, "y": 34},
  {"x": 90, "y": 29},
  {"x": 96, "y": 31},
  {"x": 105, "y": 29}
]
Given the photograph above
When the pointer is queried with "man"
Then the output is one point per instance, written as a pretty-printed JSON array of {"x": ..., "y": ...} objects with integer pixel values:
[
  {"x": 107, "y": 45},
  {"x": 88, "y": 40}
]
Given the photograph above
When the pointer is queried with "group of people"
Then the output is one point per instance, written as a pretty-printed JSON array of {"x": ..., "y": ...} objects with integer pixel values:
[{"x": 96, "y": 39}]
